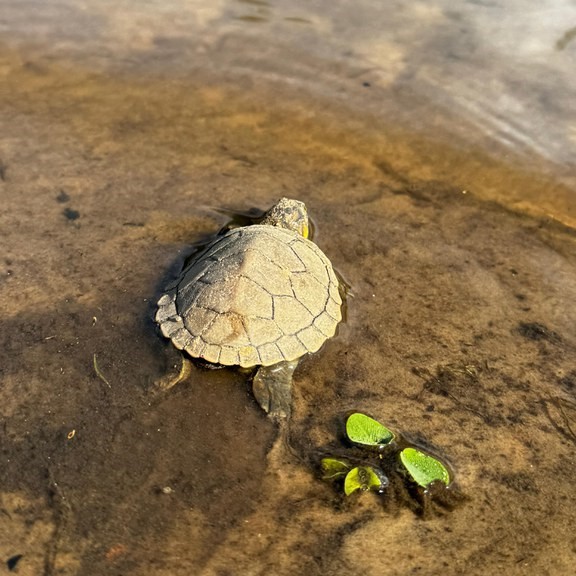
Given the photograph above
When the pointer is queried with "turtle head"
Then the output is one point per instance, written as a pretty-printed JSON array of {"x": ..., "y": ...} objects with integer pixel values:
[{"x": 289, "y": 214}]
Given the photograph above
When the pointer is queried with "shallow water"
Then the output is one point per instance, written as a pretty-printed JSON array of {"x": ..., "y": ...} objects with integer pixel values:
[{"x": 434, "y": 148}]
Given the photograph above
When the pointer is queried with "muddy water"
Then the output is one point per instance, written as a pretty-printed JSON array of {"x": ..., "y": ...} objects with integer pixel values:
[{"x": 433, "y": 151}]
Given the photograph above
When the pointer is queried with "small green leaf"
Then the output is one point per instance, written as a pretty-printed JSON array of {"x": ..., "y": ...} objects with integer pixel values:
[
  {"x": 364, "y": 478},
  {"x": 332, "y": 468},
  {"x": 362, "y": 429},
  {"x": 423, "y": 468}
]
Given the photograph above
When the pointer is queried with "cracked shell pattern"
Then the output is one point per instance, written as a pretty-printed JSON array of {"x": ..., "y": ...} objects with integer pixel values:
[{"x": 257, "y": 295}]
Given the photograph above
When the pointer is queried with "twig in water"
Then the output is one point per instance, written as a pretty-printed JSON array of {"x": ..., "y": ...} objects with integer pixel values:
[{"x": 99, "y": 373}]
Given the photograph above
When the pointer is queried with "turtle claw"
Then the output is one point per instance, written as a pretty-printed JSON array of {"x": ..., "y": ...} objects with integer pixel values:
[{"x": 272, "y": 388}]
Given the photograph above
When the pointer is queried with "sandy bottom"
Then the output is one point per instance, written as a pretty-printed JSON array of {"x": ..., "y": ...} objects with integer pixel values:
[{"x": 459, "y": 334}]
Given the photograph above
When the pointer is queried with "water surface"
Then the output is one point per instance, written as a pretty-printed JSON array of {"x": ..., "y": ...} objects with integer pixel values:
[{"x": 434, "y": 147}]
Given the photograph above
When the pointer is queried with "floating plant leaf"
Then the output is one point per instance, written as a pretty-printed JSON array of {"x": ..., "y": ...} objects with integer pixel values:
[
  {"x": 362, "y": 429},
  {"x": 333, "y": 468},
  {"x": 423, "y": 468},
  {"x": 364, "y": 478}
]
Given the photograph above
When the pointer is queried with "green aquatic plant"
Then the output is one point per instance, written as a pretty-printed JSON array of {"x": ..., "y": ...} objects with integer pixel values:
[
  {"x": 423, "y": 468},
  {"x": 362, "y": 429},
  {"x": 398, "y": 471},
  {"x": 334, "y": 468},
  {"x": 358, "y": 478},
  {"x": 365, "y": 478}
]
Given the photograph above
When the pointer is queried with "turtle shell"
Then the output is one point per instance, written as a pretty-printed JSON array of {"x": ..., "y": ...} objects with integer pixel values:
[{"x": 257, "y": 295}]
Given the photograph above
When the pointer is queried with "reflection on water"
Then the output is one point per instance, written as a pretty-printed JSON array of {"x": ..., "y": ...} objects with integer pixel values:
[
  {"x": 501, "y": 68},
  {"x": 433, "y": 146}
]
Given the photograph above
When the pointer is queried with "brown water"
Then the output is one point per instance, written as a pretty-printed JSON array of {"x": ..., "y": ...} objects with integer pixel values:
[{"x": 434, "y": 148}]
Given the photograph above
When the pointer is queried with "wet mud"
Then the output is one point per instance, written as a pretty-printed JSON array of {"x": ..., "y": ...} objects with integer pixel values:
[{"x": 459, "y": 334}]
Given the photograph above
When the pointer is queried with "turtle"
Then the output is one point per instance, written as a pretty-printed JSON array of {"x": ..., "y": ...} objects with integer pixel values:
[{"x": 259, "y": 296}]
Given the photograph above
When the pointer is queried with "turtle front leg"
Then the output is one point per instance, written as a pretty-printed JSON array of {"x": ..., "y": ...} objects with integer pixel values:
[
  {"x": 272, "y": 388},
  {"x": 171, "y": 379}
]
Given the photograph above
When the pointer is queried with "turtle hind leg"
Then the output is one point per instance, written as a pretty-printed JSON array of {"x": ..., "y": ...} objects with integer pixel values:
[{"x": 272, "y": 388}]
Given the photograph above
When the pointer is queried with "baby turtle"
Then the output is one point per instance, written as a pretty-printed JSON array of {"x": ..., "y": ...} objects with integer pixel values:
[{"x": 261, "y": 295}]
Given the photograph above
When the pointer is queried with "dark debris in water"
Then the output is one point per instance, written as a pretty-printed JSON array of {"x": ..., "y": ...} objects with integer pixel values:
[
  {"x": 71, "y": 214},
  {"x": 562, "y": 416},
  {"x": 63, "y": 197},
  {"x": 12, "y": 562},
  {"x": 455, "y": 381},
  {"x": 566, "y": 39},
  {"x": 568, "y": 382},
  {"x": 537, "y": 331},
  {"x": 519, "y": 481}
]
